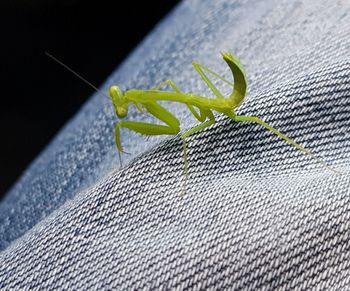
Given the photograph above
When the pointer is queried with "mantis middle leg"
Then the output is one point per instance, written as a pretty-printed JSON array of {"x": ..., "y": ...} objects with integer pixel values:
[
  {"x": 197, "y": 128},
  {"x": 204, "y": 114},
  {"x": 200, "y": 117}
]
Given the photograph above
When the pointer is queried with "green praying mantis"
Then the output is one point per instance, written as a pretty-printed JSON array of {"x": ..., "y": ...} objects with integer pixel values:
[{"x": 201, "y": 107}]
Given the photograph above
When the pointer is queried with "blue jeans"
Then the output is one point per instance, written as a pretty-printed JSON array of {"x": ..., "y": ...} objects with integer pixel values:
[{"x": 257, "y": 213}]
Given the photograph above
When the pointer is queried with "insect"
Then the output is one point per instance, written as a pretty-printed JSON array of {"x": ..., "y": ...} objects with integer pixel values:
[
  {"x": 147, "y": 100},
  {"x": 201, "y": 107}
]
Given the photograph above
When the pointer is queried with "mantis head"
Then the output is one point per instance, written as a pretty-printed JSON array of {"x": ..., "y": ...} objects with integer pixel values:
[{"x": 119, "y": 102}]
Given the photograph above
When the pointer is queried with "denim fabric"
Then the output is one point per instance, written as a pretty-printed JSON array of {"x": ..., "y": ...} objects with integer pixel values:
[{"x": 257, "y": 213}]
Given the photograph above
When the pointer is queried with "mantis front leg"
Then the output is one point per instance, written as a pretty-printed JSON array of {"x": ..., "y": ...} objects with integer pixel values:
[{"x": 172, "y": 126}]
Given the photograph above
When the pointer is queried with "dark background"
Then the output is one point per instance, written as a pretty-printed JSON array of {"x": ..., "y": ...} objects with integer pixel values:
[{"x": 37, "y": 95}]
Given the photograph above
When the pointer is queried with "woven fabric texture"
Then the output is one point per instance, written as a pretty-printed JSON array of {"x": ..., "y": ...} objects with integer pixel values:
[{"x": 257, "y": 213}]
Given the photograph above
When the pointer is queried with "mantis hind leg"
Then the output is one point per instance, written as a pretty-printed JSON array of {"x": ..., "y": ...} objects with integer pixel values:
[
  {"x": 167, "y": 82},
  {"x": 200, "y": 69},
  {"x": 239, "y": 85},
  {"x": 284, "y": 137}
]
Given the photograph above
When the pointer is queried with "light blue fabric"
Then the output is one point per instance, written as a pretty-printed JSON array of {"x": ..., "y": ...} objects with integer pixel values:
[{"x": 257, "y": 213}]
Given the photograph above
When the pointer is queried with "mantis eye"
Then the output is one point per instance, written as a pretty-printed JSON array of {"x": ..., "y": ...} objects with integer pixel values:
[{"x": 115, "y": 93}]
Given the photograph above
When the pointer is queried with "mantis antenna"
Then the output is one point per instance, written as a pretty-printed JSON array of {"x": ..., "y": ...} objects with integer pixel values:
[
  {"x": 85, "y": 81},
  {"x": 76, "y": 74}
]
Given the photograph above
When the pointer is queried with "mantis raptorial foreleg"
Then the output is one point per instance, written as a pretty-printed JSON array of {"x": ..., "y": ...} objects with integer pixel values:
[
  {"x": 281, "y": 135},
  {"x": 172, "y": 126}
]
